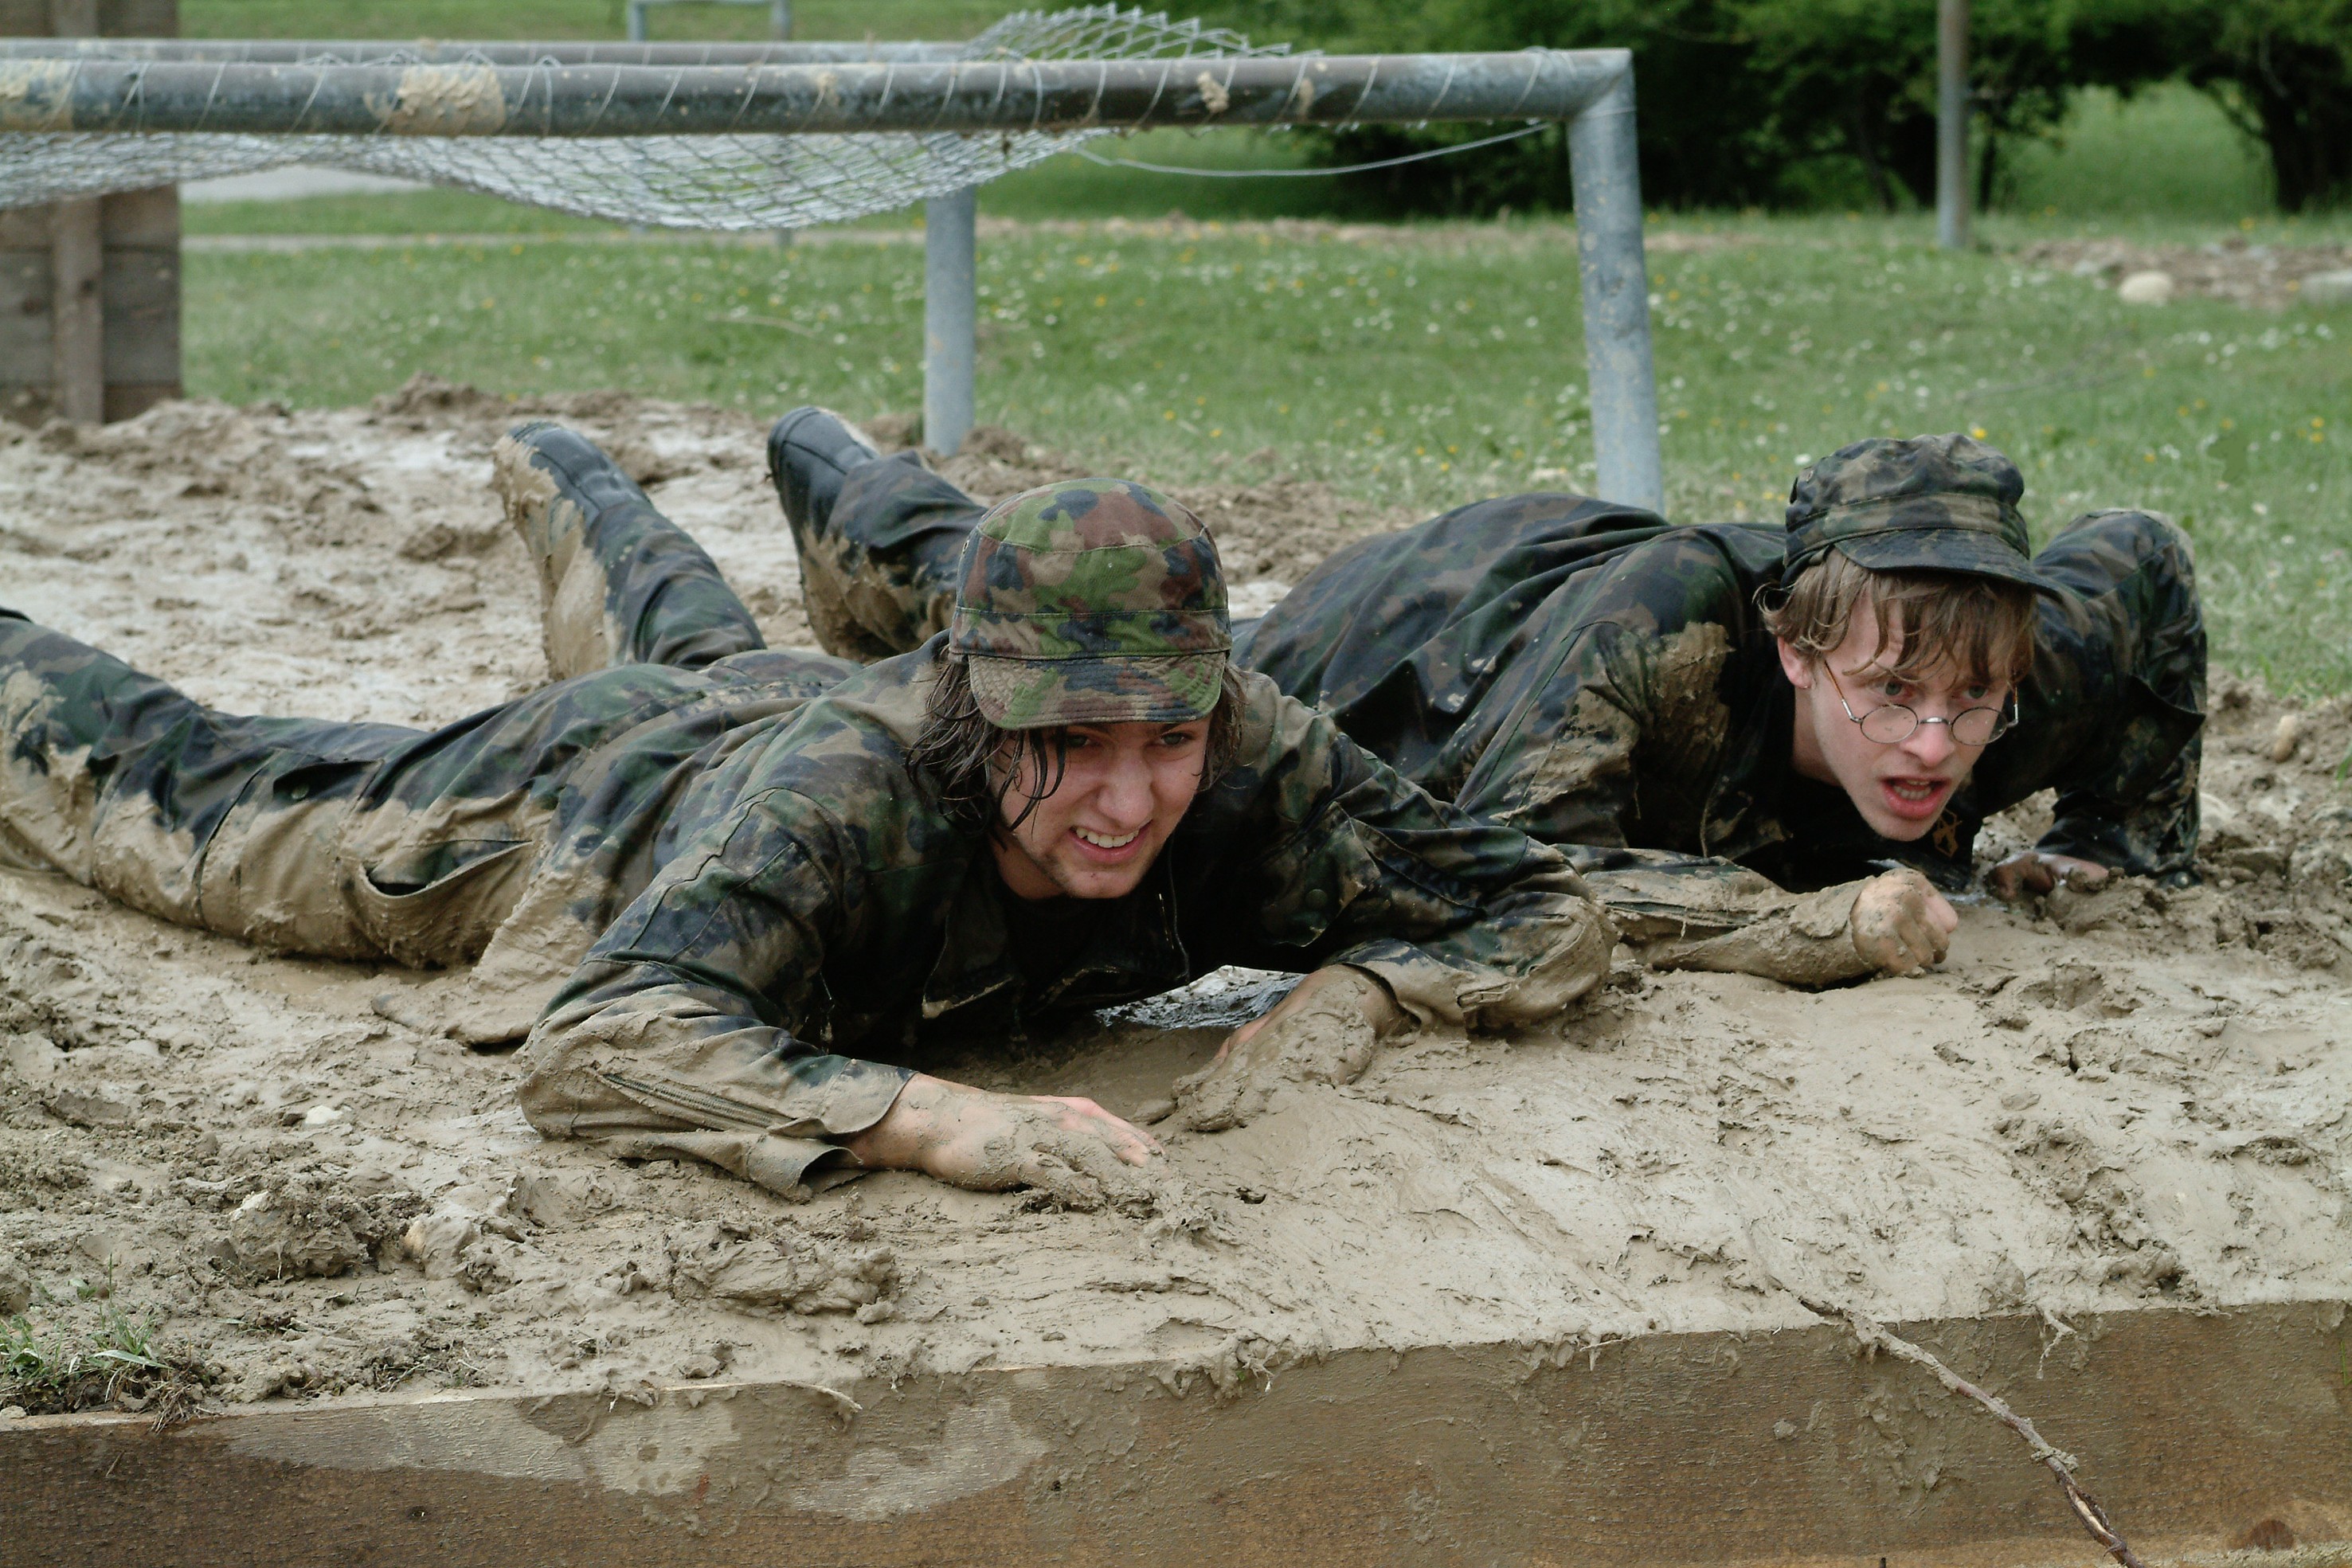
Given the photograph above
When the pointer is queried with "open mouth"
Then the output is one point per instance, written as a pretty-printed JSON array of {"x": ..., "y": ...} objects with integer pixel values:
[
  {"x": 1915, "y": 798},
  {"x": 1106, "y": 842}
]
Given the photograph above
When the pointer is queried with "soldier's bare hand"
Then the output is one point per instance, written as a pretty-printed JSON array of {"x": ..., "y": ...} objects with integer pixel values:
[
  {"x": 2033, "y": 872},
  {"x": 1067, "y": 1146},
  {"x": 1901, "y": 923},
  {"x": 1324, "y": 1032}
]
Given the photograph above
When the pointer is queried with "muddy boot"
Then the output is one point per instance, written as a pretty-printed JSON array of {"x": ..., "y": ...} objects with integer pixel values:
[
  {"x": 552, "y": 482},
  {"x": 809, "y": 451}
]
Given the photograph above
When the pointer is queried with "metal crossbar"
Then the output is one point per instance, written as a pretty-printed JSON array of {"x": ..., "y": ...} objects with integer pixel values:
[
  {"x": 957, "y": 97},
  {"x": 816, "y": 118}
]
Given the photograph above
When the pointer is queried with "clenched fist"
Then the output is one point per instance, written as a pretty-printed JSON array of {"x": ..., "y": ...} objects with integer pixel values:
[{"x": 1901, "y": 923}]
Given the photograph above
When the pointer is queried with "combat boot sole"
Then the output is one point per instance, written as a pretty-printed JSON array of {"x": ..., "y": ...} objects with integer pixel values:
[{"x": 552, "y": 482}]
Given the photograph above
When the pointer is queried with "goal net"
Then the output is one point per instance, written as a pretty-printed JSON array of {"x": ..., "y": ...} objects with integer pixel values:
[{"x": 738, "y": 183}]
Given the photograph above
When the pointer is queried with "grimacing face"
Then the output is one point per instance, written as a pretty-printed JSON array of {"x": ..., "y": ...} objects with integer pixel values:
[
  {"x": 1900, "y": 788},
  {"x": 1122, "y": 790}
]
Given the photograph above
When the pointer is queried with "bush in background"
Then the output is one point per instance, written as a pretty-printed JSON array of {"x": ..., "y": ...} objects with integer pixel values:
[
  {"x": 1795, "y": 103},
  {"x": 2282, "y": 70}
]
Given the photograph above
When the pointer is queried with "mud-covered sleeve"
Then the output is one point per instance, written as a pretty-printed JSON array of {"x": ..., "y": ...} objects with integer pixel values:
[
  {"x": 1631, "y": 705},
  {"x": 2128, "y": 659},
  {"x": 1690, "y": 912},
  {"x": 1560, "y": 761},
  {"x": 1464, "y": 920},
  {"x": 679, "y": 1034}
]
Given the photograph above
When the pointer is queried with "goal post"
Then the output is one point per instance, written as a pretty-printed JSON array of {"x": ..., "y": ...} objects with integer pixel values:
[{"x": 54, "y": 95}]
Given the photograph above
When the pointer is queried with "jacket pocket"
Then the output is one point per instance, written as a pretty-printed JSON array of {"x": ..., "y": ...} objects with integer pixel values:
[{"x": 438, "y": 907}]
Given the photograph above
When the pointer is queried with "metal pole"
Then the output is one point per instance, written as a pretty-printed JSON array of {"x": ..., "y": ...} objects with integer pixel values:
[
  {"x": 1952, "y": 124},
  {"x": 1606, "y": 173},
  {"x": 637, "y": 21},
  {"x": 780, "y": 18},
  {"x": 950, "y": 315},
  {"x": 927, "y": 95}
]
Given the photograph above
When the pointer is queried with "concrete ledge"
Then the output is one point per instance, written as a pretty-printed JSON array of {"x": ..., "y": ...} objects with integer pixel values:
[{"x": 2192, "y": 1428}]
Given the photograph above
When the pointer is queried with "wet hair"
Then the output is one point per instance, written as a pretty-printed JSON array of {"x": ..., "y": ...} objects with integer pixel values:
[
  {"x": 1980, "y": 629},
  {"x": 971, "y": 766}
]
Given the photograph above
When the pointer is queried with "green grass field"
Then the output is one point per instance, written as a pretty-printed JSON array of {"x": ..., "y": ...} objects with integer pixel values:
[
  {"x": 1426, "y": 367},
  {"x": 1437, "y": 365},
  {"x": 2165, "y": 156}
]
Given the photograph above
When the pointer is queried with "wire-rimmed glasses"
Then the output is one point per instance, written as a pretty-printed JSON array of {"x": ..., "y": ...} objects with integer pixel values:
[{"x": 1892, "y": 723}]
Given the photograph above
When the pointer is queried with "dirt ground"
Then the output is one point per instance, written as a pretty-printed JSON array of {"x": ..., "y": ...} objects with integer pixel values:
[
  {"x": 2136, "y": 1096},
  {"x": 2233, "y": 268}
]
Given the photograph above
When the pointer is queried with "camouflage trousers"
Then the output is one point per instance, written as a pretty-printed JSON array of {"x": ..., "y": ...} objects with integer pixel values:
[
  {"x": 512, "y": 836},
  {"x": 878, "y": 577}
]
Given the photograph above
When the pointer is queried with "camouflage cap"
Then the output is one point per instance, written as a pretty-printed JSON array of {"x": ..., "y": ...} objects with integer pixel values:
[
  {"x": 1091, "y": 602},
  {"x": 1928, "y": 503}
]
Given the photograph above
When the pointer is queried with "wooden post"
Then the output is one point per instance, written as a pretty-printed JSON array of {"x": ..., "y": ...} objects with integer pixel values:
[
  {"x": 78, "y": 310},
  {"x": 77, "y": 273},
  {"x": 89, "y": 289}
]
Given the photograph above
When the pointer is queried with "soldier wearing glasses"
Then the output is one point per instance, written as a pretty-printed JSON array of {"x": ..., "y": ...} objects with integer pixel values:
[{"x": 1766, "y": 749}]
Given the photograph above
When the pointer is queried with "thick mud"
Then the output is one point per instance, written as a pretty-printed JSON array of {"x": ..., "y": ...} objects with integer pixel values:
[{"x": 2129, "y": 1097}]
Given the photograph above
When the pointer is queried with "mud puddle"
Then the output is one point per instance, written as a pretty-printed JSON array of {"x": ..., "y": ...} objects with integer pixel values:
[{"x": 2132, "y": 1097}]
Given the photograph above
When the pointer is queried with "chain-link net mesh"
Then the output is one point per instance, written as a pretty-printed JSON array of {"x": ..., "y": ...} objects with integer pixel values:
[{"x": 677, "y": 181}]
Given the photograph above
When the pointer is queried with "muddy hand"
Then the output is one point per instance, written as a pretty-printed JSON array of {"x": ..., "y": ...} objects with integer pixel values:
[
  {"x": 1068, "y": 1147},
  {"x": 1901, "y": 923},
  {"x": 1324, "y": 1032},
  {"x": 2033, "y": 872}
]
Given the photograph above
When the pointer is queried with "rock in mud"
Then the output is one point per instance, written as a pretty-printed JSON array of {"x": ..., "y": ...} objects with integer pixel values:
[
  {"x": 85, "y": 1109},
  {"x": 471, "y": 1237},
  {"x": 789, "y": 1274},
  {"x": 15, "y": 1285},
  {"x": 271, "y": 1235},
  {"x": 310, "y": 1227},
  {"x": 561, "y": 1199},
  {"x": 31, "y": 1057}
]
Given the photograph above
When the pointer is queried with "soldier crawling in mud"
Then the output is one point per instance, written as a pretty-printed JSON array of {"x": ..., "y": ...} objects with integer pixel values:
[
  {"x": 732, "y": 867},
  {"x": 1764, "y": 747}
]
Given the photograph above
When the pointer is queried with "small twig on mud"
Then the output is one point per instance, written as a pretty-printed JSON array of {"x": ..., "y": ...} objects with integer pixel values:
[{"x": 2061, "y": 1464}]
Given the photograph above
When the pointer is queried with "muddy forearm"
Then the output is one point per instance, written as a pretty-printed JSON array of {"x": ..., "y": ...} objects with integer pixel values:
[
  {"x": 645, "y": 1063},
  {"x": 1806, "y": 941}
]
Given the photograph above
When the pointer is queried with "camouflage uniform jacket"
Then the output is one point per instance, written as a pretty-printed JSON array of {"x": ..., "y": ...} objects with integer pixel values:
[
  {"x": 818, "y": 904},
  {"x": 1605, "y": 682}
]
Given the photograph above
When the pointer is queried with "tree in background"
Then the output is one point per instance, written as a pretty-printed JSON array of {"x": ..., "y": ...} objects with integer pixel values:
[
  {"x": 2282, "y": 70},
  {"x": 1827, "y": 102},
  {"x": 1856, "y": 78},
  {"x": 1708, "y": 138}
]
